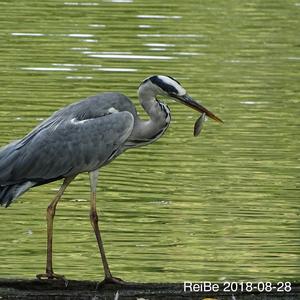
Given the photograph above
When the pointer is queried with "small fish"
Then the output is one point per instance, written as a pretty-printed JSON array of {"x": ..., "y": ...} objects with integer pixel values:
[{"x": 199, "y": 124}]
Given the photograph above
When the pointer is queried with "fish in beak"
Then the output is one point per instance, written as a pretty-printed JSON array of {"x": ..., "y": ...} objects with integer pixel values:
[{"x": 190, "y": 102}]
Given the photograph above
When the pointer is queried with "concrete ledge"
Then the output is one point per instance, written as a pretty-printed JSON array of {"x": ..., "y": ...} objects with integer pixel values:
[{"x": 17, "y": 289}]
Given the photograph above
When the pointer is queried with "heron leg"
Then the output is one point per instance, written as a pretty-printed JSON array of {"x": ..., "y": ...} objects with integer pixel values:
[
  {"x": 94, "y": 220},
  {"x": 50, "y": 217}
]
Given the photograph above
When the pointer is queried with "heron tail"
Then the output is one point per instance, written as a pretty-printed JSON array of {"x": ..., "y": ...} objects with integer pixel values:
[
  {"x": 8, "y": 193},
  {"x": 10, "y": 190}
]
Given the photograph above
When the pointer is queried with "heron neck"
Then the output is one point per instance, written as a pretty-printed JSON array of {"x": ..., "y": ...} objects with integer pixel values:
[
  {"x": 159, "y": 114},
  {"x": 152, "y": 106}
]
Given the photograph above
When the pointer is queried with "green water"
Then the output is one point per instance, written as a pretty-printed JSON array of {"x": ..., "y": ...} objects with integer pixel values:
[{"x": 221, "y": 206}]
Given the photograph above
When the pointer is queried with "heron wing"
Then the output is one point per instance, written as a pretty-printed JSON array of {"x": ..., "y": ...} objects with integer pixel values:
[
  {"x": 60, "y": 148},
  {"x": 89, "y": 108}
]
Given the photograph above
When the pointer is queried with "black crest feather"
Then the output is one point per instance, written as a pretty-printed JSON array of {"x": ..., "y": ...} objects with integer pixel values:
[{"x": 170, "y": 89}]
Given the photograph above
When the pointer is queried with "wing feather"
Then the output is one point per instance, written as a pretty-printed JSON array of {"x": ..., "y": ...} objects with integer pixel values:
[{"x": 60, "y": 148}]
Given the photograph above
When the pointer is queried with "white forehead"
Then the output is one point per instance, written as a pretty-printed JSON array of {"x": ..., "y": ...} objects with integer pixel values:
[{"x": 168, "y": 80}]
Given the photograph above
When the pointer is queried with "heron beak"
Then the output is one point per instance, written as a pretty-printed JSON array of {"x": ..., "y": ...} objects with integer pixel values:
[{"x": 188, "y": 101}]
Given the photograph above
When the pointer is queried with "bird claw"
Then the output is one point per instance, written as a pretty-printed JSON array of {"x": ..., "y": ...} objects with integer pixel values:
[
  {"x": 50, "y": 275},
  {"x": 113, "y": 280}
]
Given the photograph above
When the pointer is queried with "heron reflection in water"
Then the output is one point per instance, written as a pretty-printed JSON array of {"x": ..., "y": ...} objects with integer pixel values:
[{"x": 83, "y": 137}]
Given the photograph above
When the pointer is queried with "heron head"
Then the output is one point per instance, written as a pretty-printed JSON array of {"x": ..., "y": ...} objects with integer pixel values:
[{"x": 168, "y": 86}]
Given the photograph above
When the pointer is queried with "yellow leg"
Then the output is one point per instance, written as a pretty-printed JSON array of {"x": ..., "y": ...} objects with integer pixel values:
[
  {"x": 94, "y": 222},
  {"x": 50, "y": 217}
]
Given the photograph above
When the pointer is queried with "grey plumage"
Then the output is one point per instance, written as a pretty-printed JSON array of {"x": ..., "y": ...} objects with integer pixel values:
[
  {"x": 83, "y": 137},
  {"x": 78, "y": 138},
  {"x": 86, "y": 135}
]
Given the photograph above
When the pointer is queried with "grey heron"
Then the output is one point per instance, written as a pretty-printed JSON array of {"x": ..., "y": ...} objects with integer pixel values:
[{"x": 83, "y": 137}]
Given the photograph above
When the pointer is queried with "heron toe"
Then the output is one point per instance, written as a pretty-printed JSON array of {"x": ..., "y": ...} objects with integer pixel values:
[
  {"x": 50, "y": 275},
  {"x": 113, "y": 280}
]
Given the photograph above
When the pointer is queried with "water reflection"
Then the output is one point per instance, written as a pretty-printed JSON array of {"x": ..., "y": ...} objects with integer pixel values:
[
  {"x": 157, "y": 17},
  {"x": 126, "y": 56},
  {"x": 49, "y": 69}
]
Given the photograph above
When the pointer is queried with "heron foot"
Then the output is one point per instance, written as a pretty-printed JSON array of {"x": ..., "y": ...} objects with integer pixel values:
[
  {"x": 113, "y": 280},
  {"x": 51, "y": 275}
]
